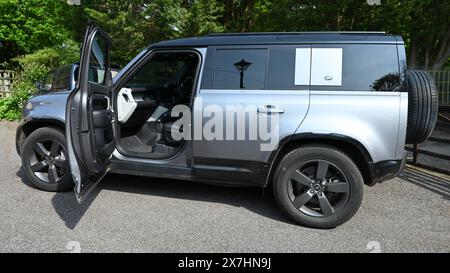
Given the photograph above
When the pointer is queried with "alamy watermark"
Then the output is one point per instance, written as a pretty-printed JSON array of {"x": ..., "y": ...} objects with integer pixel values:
[
  {"x": 374, "y": 2},
  {"x": 229, "y": 122},
  {"x": 373, "y": 247},
  {"x": 73, "y": 247}
]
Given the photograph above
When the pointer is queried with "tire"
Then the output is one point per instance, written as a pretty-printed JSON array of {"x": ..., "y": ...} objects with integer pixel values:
[
  {"x": 344, "y": 193},
  {"x": 45, "y": 162},
  {"x": 422, "y": 106}
]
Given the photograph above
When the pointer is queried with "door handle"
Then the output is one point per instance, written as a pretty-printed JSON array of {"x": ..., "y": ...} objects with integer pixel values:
[{"x": 270, "y": 109}]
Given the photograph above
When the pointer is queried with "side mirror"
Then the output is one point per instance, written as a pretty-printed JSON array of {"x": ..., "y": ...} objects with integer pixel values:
[
  {"x": 46, "y": 87},
  {"x": 43, "y": 87}
]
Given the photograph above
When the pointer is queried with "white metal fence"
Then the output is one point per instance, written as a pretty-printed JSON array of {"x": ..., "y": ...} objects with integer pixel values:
[
  {"x": 6, "y": 82},
  {"x": 442, "y": 79}
]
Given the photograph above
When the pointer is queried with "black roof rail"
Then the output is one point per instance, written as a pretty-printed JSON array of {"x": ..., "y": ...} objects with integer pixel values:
[{"x": 298, "y": 33}]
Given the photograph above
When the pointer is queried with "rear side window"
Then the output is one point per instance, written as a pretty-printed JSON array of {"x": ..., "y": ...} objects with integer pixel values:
[
  {"x": 364, "y": 68},
  {"x": 239, "y": 69},
  {"x": 332, "y": 67},
  {"x": 288, "y": 68}
]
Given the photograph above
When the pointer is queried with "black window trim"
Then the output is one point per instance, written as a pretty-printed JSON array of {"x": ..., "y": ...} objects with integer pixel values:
[{"x": 132, "y": 71}]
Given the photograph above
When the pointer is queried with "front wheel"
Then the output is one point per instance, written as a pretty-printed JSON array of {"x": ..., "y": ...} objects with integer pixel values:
[
  {"x": 318, "y": 186},
  {"x": 45, "y": 161}
]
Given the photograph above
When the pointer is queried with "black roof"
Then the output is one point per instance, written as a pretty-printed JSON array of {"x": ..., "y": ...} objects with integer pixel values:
[{"x": 262, "y": 38}]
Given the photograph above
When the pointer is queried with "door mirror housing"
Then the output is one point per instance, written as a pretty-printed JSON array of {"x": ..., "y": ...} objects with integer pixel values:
[
  {"x": 40, "y": 86},
  {"x": 46, "y": 87}
]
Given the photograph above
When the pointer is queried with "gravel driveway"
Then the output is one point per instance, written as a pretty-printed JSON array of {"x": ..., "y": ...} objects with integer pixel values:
[{"x": 134, "y": 214}]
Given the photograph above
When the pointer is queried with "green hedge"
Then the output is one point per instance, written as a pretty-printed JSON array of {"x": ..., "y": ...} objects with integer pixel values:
[{"x": 31, "y": 68}]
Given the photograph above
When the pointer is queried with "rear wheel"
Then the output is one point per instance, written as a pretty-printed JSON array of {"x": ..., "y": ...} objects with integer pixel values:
[
  {"x": 318, "y": 186},
  {"x": 45, "y": 162}
]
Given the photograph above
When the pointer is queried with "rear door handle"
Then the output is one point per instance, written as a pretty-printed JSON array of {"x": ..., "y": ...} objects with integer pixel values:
[{"x": 270, "y": 109}]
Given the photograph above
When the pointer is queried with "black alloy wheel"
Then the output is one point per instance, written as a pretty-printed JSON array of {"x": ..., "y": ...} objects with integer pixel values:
[
  {"x": 318, "y": 186},
  {"x": 45, "y": 161}
]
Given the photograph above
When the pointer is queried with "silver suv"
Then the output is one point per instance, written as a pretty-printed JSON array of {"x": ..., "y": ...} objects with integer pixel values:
[{"x": 315, "y": 116}]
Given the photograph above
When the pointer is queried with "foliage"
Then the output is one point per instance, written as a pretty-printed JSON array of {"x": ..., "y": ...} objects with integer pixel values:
[
  {"x": 133, "y": 25},
  {"x": 428, "y": 32},
  {"x": 26, "y": 26},
  {"x": 203, "y": 18},
  {"x": 9, "y": 107},
  {"x": 34, "y": 67},
  {"x": 124, "y": 22},
  {"x": 424, "y": 24}
]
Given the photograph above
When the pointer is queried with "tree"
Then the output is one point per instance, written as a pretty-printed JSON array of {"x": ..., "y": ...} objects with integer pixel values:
[
  {"x": 243, "y": 15},
  {"x": 202, "y": 17},
  {"x": 135, "y": 24},
  {"x": 125, "y": 23},
  {"x": 31, "y": 68},
  {"x": 428, "y": 30},
  {"x": 424, "y": 24},
  {"x": 29, "y": 25}
]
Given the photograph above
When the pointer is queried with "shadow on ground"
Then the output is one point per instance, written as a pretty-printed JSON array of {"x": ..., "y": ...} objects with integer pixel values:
[
  {"x": 253, "y": 199},
  {"x": 429, "y": 182}
]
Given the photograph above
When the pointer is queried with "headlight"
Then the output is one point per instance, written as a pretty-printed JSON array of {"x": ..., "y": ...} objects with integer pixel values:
[{"x": 29, "y": 106}]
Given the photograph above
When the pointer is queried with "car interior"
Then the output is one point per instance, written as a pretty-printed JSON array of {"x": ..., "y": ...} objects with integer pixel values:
[{"x": 145, "y": 101}]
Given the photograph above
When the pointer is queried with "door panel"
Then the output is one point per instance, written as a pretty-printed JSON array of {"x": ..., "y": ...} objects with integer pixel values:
[
  {"x": 89, "y": 114},
  {"x": 293, "y": 103},
  {"x": 243, "y": 160}
]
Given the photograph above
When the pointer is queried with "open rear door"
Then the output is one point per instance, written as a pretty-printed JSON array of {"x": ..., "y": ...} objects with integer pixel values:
[{"x": 89, "y": 114}]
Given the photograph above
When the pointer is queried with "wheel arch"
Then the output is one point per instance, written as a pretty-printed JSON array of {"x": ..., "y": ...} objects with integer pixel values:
[
  {"x": 350, "y": 146},
  {"x": 30, "y": 125}
]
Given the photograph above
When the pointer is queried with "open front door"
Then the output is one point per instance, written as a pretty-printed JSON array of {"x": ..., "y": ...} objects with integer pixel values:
[{"x": 89, "y": 114}]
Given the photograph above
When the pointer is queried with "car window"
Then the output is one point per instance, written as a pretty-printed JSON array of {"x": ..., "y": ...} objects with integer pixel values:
[
  {"x": 98, "y": 61},
  {"x": 284, "y": 68},
  {"x": 61, "y": 80},
  {"x": 93, "y": 72},
  {"x": 48, "y": 81},
  {"x": 163, "y": 69},
  {"x": 365, "y": 68},
  {"x": 239, "y": 69}
]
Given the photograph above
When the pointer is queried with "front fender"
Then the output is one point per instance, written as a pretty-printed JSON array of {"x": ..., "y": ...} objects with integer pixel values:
[
  {"x": 41, "y": 111},
  {"x": 49, "y": 106}
]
